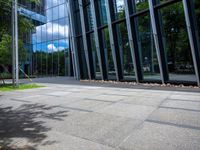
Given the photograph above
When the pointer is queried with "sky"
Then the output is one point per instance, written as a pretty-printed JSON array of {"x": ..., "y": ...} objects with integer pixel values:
[{"x": 53, "y": 35}]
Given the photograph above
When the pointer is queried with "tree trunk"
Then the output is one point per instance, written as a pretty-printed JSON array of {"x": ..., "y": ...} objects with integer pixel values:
[{"x": 1, "y": 77}]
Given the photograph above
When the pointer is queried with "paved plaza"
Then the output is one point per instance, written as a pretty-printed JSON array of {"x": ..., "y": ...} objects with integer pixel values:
[{"x": 83, "y": 117}]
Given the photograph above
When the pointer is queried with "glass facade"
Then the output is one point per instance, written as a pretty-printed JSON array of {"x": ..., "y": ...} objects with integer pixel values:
[
  {"x": 177, "y": 47},
  {"x": 50, "y": 41},
  {"x": 124, "y": 40},
  {"x": 152, "y": 36}
]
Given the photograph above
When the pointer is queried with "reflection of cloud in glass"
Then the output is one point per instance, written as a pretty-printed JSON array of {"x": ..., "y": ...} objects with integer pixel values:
[
  {"x": 51, "y": 47},
  {"x": 53, "y": 30}
]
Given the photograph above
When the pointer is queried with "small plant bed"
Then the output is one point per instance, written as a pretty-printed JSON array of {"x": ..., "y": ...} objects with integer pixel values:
[
  {"x": 143, "y": 85},
  {"x": 9, "y": 87}
]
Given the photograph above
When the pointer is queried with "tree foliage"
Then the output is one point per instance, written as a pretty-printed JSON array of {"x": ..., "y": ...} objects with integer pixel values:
[{"x": 5, "y": 33}]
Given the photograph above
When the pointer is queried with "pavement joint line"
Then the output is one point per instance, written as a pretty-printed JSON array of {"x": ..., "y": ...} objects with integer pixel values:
[
  {"x": 18, "y": 100},
  {"x": 186, "y": 109},
  {"x": 93, "y": 141},
  {"x": 77, "y": 109},
  {"x": 50, "y": 95},
  {"x": 156, "y": 108},
  {"x": 171, "y": 99},
  {"x": 106, "y": 94},
  {"x": 165, "y": 99},
  {"x": 91, "y": 99},
  {"x": 173, "y": 124},
  {"x": 148, "y": 105},
  {"x": 136, "y": 127}
]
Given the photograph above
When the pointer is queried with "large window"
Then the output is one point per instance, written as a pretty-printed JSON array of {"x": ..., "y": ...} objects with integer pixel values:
[
  {"x": 148, "y": 56},
  {"x": 176, "y": 42},
  {"x": 118, "y": 8},
  {"x": 197, "y": 12},
  {"x": 94, "y": 57},
  {"x": 50, "y": 41},
  {"x": 108, "y": 54},
  {"x": 124, "y": 51},
  {"x": 102, "y": 14}
]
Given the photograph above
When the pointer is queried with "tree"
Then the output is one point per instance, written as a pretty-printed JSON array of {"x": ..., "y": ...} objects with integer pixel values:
[{"x": 5, "y": 34}]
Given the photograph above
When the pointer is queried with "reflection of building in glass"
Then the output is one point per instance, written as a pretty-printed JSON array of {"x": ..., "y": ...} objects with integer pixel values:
[
  {"x": 50, "y": 43},
  {"x": 136, "y": 40}
]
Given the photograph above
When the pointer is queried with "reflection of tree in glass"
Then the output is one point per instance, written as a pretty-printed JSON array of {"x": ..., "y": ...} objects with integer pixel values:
[
  {"x": 177, "y": 43},
  {"x": 25, "y": 26}
]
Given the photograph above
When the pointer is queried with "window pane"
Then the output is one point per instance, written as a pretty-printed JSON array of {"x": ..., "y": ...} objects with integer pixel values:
[
  {"x": 177, "y": 48},
  {"x": 49, "y": 14},
  {"x": 147, "y": 50},
  {"x": 119, "y": 11},
  {"x": 124, "y": 50},
  {"x": 62, "y": 10},
  {"x": 108, "y": 54},
  {"x": 102, "y": 12},
  {"x": 88, "y": 18},
  {"x": 197, "y": 11},
  {"x": 93, "y": 53},
  {"x": 82, "y": 60},
  {"x": 140, "y": 5},
  {"x": 55, "y": 30},
  {"x": 55, "y": 13}
]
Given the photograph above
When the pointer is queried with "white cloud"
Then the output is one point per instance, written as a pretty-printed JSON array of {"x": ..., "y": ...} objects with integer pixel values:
[{"x": 52, "y": 48}]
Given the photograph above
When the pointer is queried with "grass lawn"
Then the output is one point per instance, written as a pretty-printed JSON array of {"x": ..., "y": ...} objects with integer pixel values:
[{"x": 9, "y": 87}]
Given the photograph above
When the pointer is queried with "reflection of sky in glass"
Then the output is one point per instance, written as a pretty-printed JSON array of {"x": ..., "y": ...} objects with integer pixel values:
[{"x": 53, "y": 35}]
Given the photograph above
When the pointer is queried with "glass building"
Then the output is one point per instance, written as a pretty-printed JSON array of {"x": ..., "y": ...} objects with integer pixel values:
[
  {"x": 136, "y": 40},
  {"x": 50, "y": 40},
  {"x": 123, "y": 40}
]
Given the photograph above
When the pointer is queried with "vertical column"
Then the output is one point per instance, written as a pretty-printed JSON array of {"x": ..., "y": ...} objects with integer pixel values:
[
  {"x": 85, "y": 45},
  {"x": 96, "y": 36},
  {"x": 113, "y": 41},
  {"x": 71, "y": 65},
  {"x": 158, "y": 42},
  {"x": 16, "y": 44},
  {"x": 74, "y": 50},
  {"x": 132, "y": 36},
  {"x": 193, "y": 35},
  {"x": 13, "y": 43}
]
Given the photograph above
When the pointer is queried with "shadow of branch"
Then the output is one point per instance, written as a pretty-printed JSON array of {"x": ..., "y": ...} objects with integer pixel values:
[{"x": 25, "y": 123}]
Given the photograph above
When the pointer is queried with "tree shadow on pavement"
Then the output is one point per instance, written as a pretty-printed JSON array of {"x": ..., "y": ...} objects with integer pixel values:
[{"x": 26, "y": 123}]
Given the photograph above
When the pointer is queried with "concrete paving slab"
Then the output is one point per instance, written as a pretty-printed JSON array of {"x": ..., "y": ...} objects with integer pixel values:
[
  {"x": 182, "y": 118},
  {"x": 101, "y": 128},
  {"x": 129, "y": 111},
  {"x": 58, "y": 140},
  {"x": 90, "y": 105},
  {"x": 180, "y": 104},
  {"x": 148, "y": 101},
  {"x": 162, "y": 137},
  {"x": 112, "y": 98},
  {"x": 189, "y": 97},
  {"x": 58, "y": 93}
]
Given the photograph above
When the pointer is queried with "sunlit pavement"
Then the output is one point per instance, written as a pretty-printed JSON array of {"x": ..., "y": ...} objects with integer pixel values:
[{"x": 83, "y": 117}]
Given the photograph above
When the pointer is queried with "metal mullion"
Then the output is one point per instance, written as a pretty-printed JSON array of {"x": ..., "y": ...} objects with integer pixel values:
[
  {"x": 139, "y": 13},
  {"x": 158, "y": 42},
  {"x": 167, "y": 3},
  {"x": 133, "y": 44},
  {"x": 74, "y": 45},
  {"x": 96, "y": 36},
  {"x": 102, "y": 27},
  {"x": 85, "y": 45},
  {"x": 117, "y": 63},
  {"x": 193, "y": 36},
  {"x": 118, "y": 21},
  {"x": 89, "y": 32}
]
